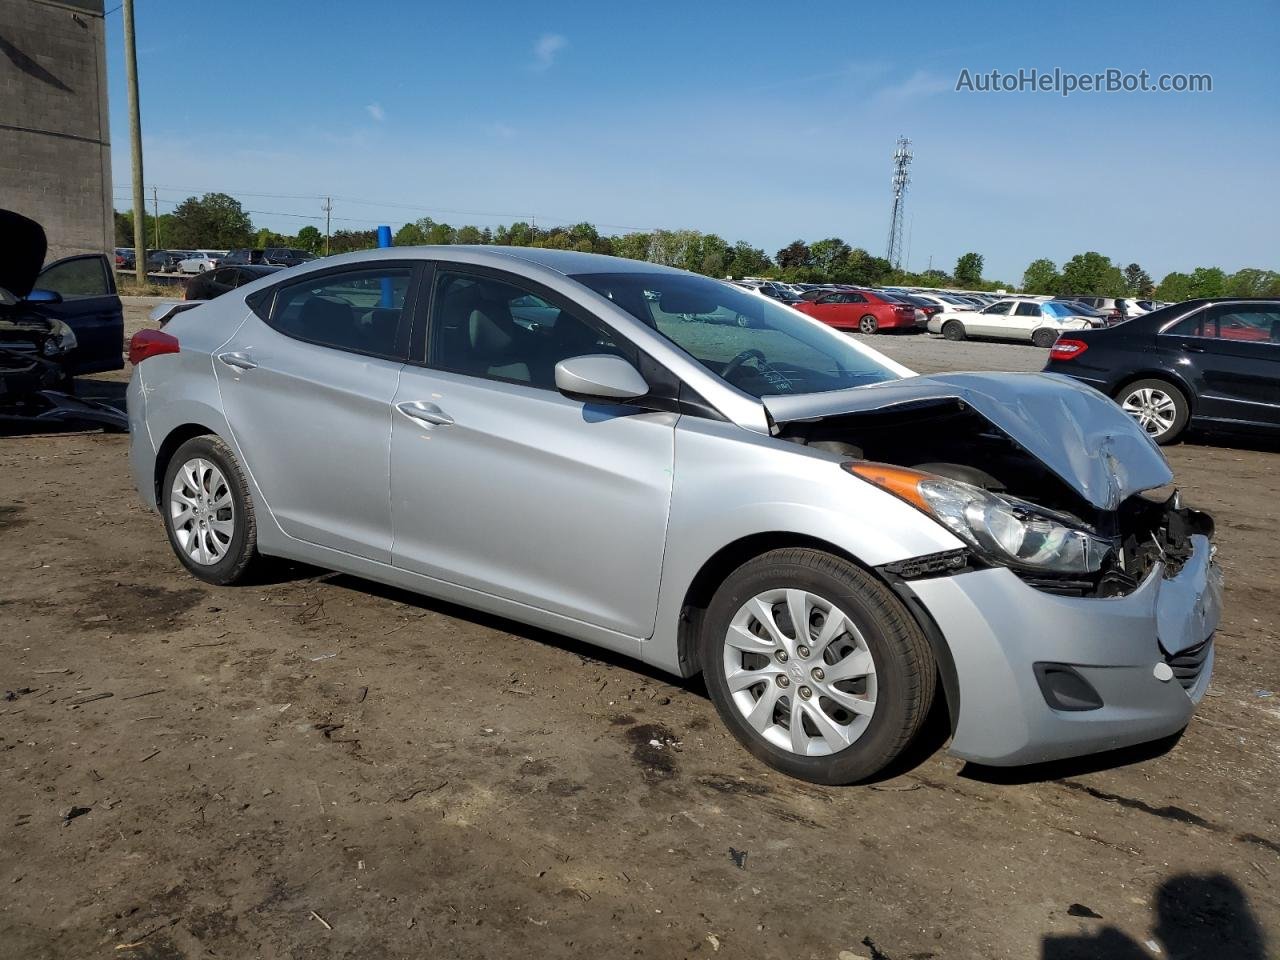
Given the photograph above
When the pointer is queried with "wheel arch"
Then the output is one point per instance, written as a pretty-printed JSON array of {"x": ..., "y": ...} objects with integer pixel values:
[
  {"x": 1167, "y": 376},
  {"x": 728, "y": 558},
  {"x": 172, "y": 441}
]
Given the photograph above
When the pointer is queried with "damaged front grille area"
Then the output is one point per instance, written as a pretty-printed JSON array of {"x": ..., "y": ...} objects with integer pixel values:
[
  {"x": 1146, "y": 531},
  {"x": 1189, "y": 664}
]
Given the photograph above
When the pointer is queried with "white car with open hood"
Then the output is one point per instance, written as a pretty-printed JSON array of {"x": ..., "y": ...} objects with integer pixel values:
[{"x": 679, "y": 470}]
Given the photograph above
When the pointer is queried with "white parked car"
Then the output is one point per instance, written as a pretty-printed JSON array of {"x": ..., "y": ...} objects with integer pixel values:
[
  {"x": 198, "y": 262},
  {"x": 948, "y": 304},
  {"x": 1040, "y": 323}
]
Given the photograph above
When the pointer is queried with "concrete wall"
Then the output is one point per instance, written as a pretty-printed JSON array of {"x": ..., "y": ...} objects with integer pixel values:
[{"x": 55, "y": 150}]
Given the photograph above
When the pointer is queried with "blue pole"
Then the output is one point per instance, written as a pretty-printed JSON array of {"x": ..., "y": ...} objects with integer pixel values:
[{"x": 384, "y": 240}]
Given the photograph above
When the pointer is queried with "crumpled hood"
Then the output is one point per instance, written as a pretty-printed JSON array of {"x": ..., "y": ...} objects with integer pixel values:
[
  {"x": 1075, "y": 431},
  {"x": 22, "y": 250}
]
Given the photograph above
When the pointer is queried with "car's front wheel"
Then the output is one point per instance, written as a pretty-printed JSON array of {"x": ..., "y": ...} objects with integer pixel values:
[
  {"x": 815, "y": 666},
  {"x": 208, "y": 513},
  {"x": 1160, "y": 408},
  {"x": 953, "y": 330}
]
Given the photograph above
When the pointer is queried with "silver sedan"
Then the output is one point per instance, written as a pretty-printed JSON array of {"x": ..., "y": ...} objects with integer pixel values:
[{"x": 675, "y": 469}]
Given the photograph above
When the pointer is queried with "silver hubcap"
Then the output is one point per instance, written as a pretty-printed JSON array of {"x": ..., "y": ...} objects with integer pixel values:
[
  {"x": 1154, "y": 410},
  {"x": 868, "y": 326},
  {"x": 202, "y": 511},
  {"x": 800, "y": 672}
]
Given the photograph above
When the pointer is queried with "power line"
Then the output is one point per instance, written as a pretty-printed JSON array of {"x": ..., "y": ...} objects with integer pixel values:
[{"x": 420, "y": 208}]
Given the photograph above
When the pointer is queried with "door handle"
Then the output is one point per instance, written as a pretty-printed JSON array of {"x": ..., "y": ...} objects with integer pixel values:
[
  {"x": 1192, "y": 348},
  {"x": 238, "y": 360},
  {"x": 424, "y": 413}
]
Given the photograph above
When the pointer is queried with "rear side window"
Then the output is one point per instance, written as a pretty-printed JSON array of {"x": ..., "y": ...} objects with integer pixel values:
[
  {"x": 1028, "y": 309},
  {"x": 358, "y": 310}
]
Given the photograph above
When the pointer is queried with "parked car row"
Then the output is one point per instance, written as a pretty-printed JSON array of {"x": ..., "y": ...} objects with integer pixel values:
[{"x": 195, "y": 262}]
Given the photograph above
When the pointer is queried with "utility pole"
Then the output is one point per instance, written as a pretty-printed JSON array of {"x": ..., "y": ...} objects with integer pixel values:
[
  {"x": 328, "y": 212},
  {"x": 902, "y": 158},
  {"x": 135, "y": 144},
  {"x": 155, "y": 215}
]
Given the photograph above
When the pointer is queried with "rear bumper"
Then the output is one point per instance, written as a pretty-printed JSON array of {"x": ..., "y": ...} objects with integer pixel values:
[
  {"x": 142, "y": 451},
  {"x": 1143, "y": 655}
]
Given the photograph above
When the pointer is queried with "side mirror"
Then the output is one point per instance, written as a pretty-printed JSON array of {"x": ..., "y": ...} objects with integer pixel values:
[
  {"x": 43, "y": 296},
  {"x": 599, "y": 377}
]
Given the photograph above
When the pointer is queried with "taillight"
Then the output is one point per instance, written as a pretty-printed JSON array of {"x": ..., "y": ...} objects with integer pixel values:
[
  {"x": 1066, "y": 349},
  {"x": 151, "y": 343}
]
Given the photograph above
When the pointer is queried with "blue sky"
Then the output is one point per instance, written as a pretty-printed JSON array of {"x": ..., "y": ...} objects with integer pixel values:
[{"x": 762, "y": 122}]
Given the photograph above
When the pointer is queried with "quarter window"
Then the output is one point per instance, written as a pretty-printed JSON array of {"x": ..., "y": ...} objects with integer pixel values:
[
  {"x": 488, "y": 328},
  {"x": 359, "y": 310}
]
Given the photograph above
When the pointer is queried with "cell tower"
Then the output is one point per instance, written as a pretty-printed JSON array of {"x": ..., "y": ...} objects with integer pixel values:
[{"x": 901, "y": 178}]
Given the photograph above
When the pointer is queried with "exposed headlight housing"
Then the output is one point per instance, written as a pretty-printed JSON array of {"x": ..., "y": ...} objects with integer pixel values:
[{"x": 1000, "y": 529}]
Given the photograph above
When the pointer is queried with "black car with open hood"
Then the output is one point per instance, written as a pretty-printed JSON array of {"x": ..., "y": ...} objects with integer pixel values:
[{"x": 66, "y": 312}]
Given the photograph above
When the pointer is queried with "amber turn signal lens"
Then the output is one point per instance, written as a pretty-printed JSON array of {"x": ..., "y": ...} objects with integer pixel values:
[{"x": 899, "y": 481}]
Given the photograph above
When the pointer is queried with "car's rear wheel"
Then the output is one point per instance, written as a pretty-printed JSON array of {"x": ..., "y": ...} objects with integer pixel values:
[
  {"x": 815, "y": 666},
  {"x": 1044, "y": 337},
  {"x": 1160, "y": 408},
  {"x": 868, "y": 324},
  {"x": 208, "y": 513},
  {"x": 953, "y": 330}
]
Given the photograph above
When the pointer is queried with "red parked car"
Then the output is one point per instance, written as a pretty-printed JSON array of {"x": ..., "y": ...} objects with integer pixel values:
[{"x": 865, "y": 310}]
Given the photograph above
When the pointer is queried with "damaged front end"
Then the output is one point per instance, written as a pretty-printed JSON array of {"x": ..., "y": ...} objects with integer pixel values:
[{"x": 1030, "y": 471}]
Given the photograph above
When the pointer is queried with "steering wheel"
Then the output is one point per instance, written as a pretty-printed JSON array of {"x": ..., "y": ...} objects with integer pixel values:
[{"x": 732, "y": 366}]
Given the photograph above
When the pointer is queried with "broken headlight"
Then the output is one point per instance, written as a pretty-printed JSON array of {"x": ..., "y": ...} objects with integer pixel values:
[{"x": 1001, "y": 529}]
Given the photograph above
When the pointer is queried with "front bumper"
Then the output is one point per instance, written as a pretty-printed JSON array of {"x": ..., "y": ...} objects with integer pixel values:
[{"x": 998, "y": 629}]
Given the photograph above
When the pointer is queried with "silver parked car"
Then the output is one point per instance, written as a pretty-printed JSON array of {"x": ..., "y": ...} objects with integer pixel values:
[{"x": 674, "y": 468}]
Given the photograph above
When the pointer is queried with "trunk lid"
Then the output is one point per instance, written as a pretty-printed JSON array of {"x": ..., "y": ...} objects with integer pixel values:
[{"x": 1077, "y": 433}]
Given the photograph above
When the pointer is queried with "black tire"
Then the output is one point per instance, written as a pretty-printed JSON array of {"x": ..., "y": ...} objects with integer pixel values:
[
  {"x": 1130, "y": 393},
  {"x": 1044, "y": 337},
  {"x": 868, "y": 324},
  {"x": 242, "y": 551},
  {"x": 953, "y": 330},
  {"x": 906, "y": 672}
]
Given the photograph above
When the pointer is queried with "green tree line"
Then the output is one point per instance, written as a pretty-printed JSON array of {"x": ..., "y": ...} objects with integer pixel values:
[{"x": 217, "y": 221}]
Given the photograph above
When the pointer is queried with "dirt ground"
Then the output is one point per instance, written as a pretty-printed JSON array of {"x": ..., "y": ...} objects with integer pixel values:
[{"x": 323, "y": 767}]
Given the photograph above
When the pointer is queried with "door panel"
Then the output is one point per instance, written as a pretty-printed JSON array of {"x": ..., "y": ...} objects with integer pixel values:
[
  {"x": 990, "y": 322},
  {"x": 90, "y": 307},
  {"x": 313, "y": 425},
  {"x": 532, "y": 497},
  {"x": 1239, "y": 362}
]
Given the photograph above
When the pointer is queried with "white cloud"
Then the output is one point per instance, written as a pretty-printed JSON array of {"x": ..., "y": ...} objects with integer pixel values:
[
  {"x": 375, "y": 110},
  {"x": 547, "y": 49},
  {"x": 920, "y": 84}
]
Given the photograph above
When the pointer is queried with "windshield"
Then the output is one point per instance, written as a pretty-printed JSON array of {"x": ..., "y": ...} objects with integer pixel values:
[{"x": 760, "y": 347}]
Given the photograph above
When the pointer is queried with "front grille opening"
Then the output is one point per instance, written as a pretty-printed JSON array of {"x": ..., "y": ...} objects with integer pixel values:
[{"x": 1189, "y": 664}]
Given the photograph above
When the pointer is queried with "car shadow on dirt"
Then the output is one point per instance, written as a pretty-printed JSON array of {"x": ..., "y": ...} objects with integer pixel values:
[
  {"x": 1198, "y": 916},
  {"x": 1072, "y": 766}
]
